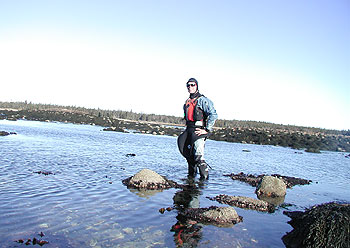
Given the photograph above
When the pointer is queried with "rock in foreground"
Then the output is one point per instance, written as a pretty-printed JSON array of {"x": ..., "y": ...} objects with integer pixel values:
[
  {"x": 326, "y": 225},
  {"x": 221, "y": 216},
  {"x": 244, "y": 202},
  {"x": 148, "y": 179}
]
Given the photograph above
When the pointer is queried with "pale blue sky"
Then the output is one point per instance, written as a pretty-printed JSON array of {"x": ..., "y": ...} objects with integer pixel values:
[{"x": 285, "y": 62}]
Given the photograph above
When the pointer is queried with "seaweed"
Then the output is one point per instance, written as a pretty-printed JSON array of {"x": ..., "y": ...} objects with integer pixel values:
[
  {"x": 244, "y": 202},
  {"x": 254, "y": 180},
  {"x": 325, "y": 225}
]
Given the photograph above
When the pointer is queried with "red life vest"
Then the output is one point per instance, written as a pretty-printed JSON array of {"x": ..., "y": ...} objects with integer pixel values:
[{"x": 192, "y": 111}]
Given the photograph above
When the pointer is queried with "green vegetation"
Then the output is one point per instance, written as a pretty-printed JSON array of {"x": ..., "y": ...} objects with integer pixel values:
[{"x": 252, "y": 132}]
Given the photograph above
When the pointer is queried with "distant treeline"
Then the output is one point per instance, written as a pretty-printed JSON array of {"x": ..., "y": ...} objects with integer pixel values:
[
  {"x": 252, "y": 132},
  {"x": 129, "y": 115}
]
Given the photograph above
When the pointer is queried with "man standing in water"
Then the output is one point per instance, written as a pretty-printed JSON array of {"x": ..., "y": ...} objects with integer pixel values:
[{"x": 200, "y": 116}]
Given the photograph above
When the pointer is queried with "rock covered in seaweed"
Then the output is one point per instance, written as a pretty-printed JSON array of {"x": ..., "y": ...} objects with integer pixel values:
[
  {"x": 221, "y": 216},
  {"x": 254, "y": 180},
  {"x": 271, "y": 186},
  {"x": 325, "y": 225},
  {"x": 244, "y": 202},
  {"x": 148, "y": 179},
  {"x": 247, "y": 178},
  {"x": 46, "y": 173}
]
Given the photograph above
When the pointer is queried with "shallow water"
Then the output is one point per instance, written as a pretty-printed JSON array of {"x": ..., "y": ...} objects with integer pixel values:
[{"x": 85, "y": 204}]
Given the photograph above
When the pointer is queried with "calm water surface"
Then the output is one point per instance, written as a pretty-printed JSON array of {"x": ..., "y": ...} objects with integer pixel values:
[{"x": 85, "y": 204}]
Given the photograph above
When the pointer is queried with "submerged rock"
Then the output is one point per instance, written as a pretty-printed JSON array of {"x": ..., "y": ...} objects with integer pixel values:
[
  {"x": 221, "y": 216},
  {"x": 244, "y": 202},
  {"x": 47, "y": 239},
  {"x": 325, "y": 225},
  {"x": 148, "y": 179},
  {"x": 130, "y": 155},
  {"x": 254, "y": 180},
  {"x": 271, "y": 186},
  {"x": 46, "y": 173},
  {"x": 4, "y": 133}
]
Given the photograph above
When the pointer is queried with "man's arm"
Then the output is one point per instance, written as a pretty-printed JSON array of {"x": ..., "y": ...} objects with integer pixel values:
[{"x": 209, "y": 110}]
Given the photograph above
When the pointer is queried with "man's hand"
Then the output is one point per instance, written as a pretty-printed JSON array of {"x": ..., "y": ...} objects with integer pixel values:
[{"x": 200, "y": 131}]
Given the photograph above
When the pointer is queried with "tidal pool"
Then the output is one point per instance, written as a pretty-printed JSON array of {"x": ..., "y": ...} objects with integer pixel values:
[{"x": 83, "y": 203}]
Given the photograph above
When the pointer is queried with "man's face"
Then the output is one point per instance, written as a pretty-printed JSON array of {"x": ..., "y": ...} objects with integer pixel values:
[{"x": 191, "y": 87}]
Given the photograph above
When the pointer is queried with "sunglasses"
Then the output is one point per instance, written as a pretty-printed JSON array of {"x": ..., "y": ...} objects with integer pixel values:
[{"x": 190, "y": 85}]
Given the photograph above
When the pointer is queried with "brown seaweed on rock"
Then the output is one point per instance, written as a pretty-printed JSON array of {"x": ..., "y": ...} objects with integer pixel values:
[
  {"x": 244, "y": 202},
  {"x": 325, "y": 225},
  {"x": 254, "y": 180},
  {"x": 46, "y": 173}
]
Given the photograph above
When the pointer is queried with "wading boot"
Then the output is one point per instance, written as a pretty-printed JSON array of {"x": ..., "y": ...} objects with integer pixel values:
[
  {"x": 192, "y": 169},
  {"x": 203, "y": 170}
]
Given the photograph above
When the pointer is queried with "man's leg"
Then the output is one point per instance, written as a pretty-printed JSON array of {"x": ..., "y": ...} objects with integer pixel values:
[
  {"x": 192, "y": 167},
  {"x": 204, "y": 170},
  {"x": 198, "y": 149},
  {"x": 186, "y": 149}
]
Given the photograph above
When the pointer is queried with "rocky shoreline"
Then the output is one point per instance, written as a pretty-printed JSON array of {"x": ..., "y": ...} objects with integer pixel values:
[{"x": 309, "y": 141}]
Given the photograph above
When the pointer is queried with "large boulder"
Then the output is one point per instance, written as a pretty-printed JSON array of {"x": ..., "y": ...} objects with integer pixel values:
[
  {"x": 271, "y": 186},
  {"x": 148, "y": 179},
  {"x": 326, "y": 225},
  {"x": 221, "y": 216}
]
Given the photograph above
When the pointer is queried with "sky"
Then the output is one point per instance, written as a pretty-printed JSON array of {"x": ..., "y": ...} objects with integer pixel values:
[{"x": 285, "y": 62}]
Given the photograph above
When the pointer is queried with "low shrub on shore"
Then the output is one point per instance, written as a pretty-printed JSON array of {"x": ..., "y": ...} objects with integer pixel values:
[{"x": 311, "y": 139}]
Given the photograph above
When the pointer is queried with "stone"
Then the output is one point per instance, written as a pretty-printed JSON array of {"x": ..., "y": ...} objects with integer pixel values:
[
  {"x": 271, "y": 186},
  {"x": 147, "y": 176},
  {"x": 4, "y": 133},
  {"x": 148, "y": 179},
  {"x": 220, "y": 216},
  {"x": 224, "y": 214}
]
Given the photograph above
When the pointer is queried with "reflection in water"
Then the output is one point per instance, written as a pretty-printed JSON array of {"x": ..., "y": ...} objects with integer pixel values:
[
  {"x": 272, "y": 200},
  {"x": 187, "y": 232},
  {"x": 145, "y": 193}
]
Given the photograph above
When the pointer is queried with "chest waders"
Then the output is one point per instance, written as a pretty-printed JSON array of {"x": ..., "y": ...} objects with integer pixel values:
[{"x": 191, "y": 145}]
